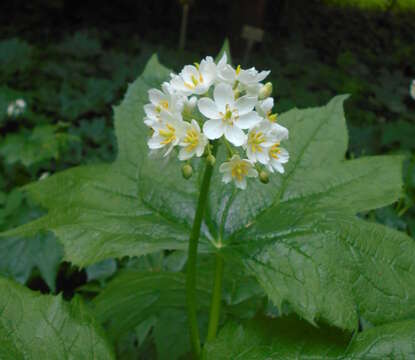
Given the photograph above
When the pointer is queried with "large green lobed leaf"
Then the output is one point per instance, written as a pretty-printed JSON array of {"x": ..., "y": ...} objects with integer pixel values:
[
  {"x": 298, "y": 235},
  {"x": 289, "y": 338},
  {"x": 34, "y": 326}
]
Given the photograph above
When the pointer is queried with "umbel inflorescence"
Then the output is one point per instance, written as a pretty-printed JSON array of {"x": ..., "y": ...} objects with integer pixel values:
[{"x": 210, "y": 102}]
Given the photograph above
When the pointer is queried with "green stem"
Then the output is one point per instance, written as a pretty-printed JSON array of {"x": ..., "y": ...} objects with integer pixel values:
[
  {"x": 216, "y": 299},
  {"x": 192, "y": 260},
  {"x": 228, "y": 147}
]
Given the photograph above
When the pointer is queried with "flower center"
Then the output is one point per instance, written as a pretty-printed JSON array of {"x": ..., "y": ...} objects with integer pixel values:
[
  {"x": 274, "y": 151},
  {"x": 192, "y": 138},
  {"x": 272, "y": 117},
  {"x": 255, "y": 139},
  {"x": 194, "y": 82},
  {"x": 240, "y": 170},
  {"x": 169, "y": 134},
  {"x": 162, "y": 104},
  {"x": 230, "y": 115}
]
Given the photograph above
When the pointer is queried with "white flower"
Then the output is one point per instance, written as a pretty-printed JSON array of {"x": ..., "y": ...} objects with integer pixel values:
[
  {"x": 193, "y": 143},
  {"x": 278, "y": 156},
  {"x": 228, "y": 116},
  {"x": 16, "y": 108},
  {"x": 20, "y": 103},
  {"x": 237, "y": 170},
  {"x": 189, "y": 104},
  {"x": 264, "y": 108},
  {"x": 412, "y": 89},
  {"x": 195, "y": 79},
  {"x": 248, "y": 78},
  {"x": 168, "y": 132},
  {"x": 260, "y": 138},
  {"x": 162, "y": 100}
]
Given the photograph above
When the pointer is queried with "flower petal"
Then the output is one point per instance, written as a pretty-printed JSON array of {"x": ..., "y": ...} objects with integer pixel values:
[
  {"x": 155, "y": 142},
  {"x": 150, "y": 111},
  {"x": 213, "y": 129},
  {"x": 208, "y": 108},
  {"x": 248, "y": 120},
  {"x": 252, "y": 173},
  {"x": 227, "y": 178},
  {"x": 262, "y": 75},
  {"x": 184, "y": 154},
  {"x": 262, "y": 156},
  {"x": 235, "y": 135},
  {"x": 227, "y": 73},
  {"x": 224, "y": 167},
  {"x": 156, "y": 96},
  {"x": 223, "y": 95},
  {"x": 245, "y": 104},
  {"x": 241, "y": 184},
  {"x": 279, "y": 132}
]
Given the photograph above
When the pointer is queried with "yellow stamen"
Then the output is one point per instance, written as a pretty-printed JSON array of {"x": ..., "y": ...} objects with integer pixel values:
[
  {"x": 189, "y": 86},
  {"x": 164, "y": 104},
  {"x": 238, "y": 69},
  {"x": 272, "y": 117},
  {"x": 194, "y": 80},
  {"x": 169, "y": 135},
  {"x": 274, "y": 151},
  {"x": 255, "y": 139},
  {"x": 230, "y": 115},
  {"x": 192, "y": 138},
  {"x": 239, "y": 170}
]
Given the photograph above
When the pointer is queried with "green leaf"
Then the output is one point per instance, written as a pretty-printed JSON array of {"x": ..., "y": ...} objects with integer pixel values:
[
  {"x": 19, "y": 256},
  {"x": 289, "y": 338},
  {"x": 34, "y": 326},
  {"x": 134, "y": 296},
  {"x": 102, "y": 270},
  {"x": 298, "y": 235},
  {"x": 100, "y": 212}
]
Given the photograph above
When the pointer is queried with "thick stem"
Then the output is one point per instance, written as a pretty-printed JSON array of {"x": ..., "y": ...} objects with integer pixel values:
[
  {"x": 192, "y": 260},
  {"x": 216, "y": 299}
]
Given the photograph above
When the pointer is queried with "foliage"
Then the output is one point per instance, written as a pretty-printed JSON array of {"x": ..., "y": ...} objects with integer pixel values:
[
  {"x": 297, "y": 236},
  {"x": 34, "y": 326},
  {"x": 290, "y": 338},
  {"x": 320, "y": 262}
]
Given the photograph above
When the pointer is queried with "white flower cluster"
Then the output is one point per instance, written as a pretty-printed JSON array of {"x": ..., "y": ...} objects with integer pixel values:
[
  {"x": 210, "y": 102},
  {"x": 16, "y": 108}
]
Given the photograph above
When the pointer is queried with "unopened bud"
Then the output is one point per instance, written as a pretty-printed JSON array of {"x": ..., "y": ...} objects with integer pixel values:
[
  {"x": 263, "y": 177},
  {"x": 265, "y": 91},
  {"x": 211, "y": 159},
  {"x": 187, "y": 171}
]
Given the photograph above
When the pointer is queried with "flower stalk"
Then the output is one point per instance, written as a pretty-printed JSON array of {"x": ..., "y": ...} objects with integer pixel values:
[
  {"x": 216, "y": 299},
  {"x": 192, "y": 259}
]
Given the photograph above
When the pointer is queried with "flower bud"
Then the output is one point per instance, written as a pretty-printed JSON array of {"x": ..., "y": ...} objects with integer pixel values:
[
  {"x": 265, "y": 91},
  {"x": 211, "y": 159},
  {"x": 263, "y": 177},
  {"x": 187, "y": 171}
]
